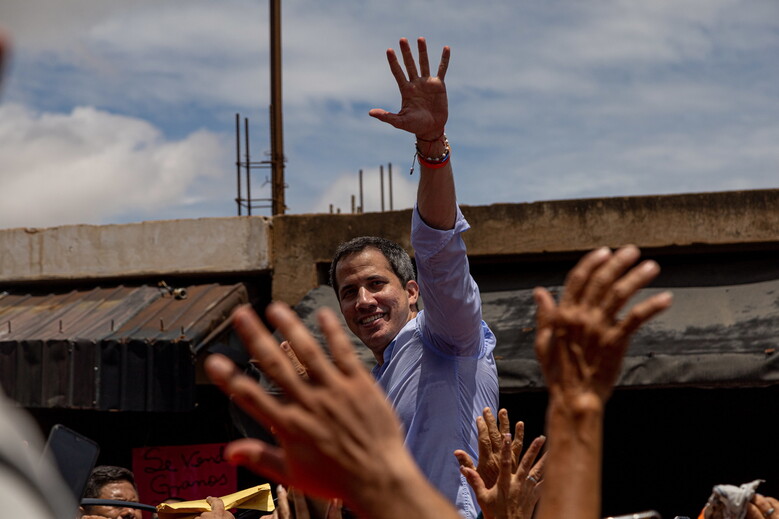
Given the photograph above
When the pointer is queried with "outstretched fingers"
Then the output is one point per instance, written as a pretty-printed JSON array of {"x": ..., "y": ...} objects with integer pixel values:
[
  {"x": 476, "y": 483},
  {"x": 341, "y": 347},
  {"x": 602, "y": 280},
  {"x": 484, "y": 438},
  {"x": 282, "y": 503},
  {"x": 505, "y": 474},
  {"x": 301, "y": 506},
  {"x": 395, "y": 68},
  {"x": 305, "y": 347},
  {"x": 644, "y": 311},
  {"x": 528, "y": 465},
  {"x": 495, "y": 435},
  {"x": 577, "y": 279},
  {"x": 545, "y": 318},
  {"x": 408, "y": 59},
  {"x": 259, "y": 457},
  {"x": 518, "y": 442},
  {"x": 463, "y": 459},
  {"x": 626, "y": 287},
  {"x": 265, "y": 351},
  {"x": 245, "y": 391},
  {"x": 503, "y": 421},
  {"x": 424, "y": 62},
  {"x": 444, "y": 64}
]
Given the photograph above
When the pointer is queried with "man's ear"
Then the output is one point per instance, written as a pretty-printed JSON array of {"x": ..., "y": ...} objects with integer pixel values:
[{"x": 412, "y": 289}]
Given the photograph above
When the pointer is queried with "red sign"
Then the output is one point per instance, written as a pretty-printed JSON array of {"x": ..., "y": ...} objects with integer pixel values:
[{"x": 184, "y": 471}]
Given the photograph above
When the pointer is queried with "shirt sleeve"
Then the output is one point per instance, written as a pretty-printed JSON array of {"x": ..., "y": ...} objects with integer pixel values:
[{"x": 452, "y": 320}]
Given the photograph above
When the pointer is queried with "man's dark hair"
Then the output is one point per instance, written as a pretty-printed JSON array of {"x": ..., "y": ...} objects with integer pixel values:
[
  {"x": 103, "y": 475},
  {"x": 397, "y": 257}
]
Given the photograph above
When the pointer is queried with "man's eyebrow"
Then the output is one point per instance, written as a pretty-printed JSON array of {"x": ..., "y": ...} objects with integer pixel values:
[{"x": 372, "y": 277}]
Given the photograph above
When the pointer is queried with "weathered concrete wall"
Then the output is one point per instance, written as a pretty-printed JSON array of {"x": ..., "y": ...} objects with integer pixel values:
[
  {"x": 301, "y": 241},
  {"x": 206, "y": 245},
  {"x": 291, "y": 246},
  {"x": 649, "y": 221}
]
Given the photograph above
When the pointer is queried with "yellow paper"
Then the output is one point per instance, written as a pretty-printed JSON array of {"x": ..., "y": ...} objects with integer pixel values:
[{"x": 254, "y": 498}]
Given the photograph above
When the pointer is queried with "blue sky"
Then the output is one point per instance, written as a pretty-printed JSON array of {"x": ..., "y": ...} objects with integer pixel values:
[{"x": 124, "y": 111}]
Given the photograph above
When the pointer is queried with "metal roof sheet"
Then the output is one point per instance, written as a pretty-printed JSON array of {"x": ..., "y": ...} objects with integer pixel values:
[{"x": 123, "y": 347}]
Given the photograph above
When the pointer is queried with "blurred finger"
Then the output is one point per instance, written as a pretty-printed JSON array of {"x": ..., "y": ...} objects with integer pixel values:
[
  {"x": 296, "y": 364},
  {"x": 463, "y": 459},
  {"x": 528, "y": 465},
  {"x": 301, "y": 506},
  {"x": 265, "y": 351},
  {"x": 601, "y": 280},
  {"x": 644, "y": 311},
  {"x": 257, "y": 456},
  {"x": 308, "y": 351},
  {"x": 545, "y": 311},
  {"x": 216, "y": 504},
  {"x": 282, "y": 504},
  {"x": 765, "y": 506},
  {"x": 626, "y": 287},
  {"x": 475, "y": 481},
  {"x": 244, "y": 390},
  {"x": 753, "y": 512},
  {"x": 334, "y": 509},
  {"x": 341, "y": 348},
  {"x": 577, "y": 278}
]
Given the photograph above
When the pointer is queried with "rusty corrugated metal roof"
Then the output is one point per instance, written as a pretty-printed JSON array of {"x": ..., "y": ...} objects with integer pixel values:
[{"x": 127, "y": 348}]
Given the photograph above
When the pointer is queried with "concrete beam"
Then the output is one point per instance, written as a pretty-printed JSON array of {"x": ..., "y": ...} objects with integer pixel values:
[
  {"x": 73, "y": 252},
  {"x": 725, "y": 218}
]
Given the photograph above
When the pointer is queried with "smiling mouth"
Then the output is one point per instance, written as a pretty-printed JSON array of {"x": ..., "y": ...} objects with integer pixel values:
[{"x": 372, "y": 318}]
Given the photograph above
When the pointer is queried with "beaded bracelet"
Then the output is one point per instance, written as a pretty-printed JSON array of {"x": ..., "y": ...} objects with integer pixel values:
[{"x": 431, "y": 162}]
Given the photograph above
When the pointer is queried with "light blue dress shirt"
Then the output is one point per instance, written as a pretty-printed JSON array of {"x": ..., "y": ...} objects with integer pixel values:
[{"x": 439, "y": 372}]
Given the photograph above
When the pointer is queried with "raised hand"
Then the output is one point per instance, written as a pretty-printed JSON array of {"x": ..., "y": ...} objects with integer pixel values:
[
  {"x": 518, "y": 485},
  {"x": 338, "y": 436},
  {"x": 491, "y": 434},
  {"x": 424, "y": 107},
  {"x": 580, "y": 343}
]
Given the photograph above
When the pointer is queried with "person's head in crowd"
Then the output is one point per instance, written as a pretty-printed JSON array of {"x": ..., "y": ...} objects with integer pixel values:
[
  {"x": 110, "y": 482},
  {"x": 376, "y": 287}
]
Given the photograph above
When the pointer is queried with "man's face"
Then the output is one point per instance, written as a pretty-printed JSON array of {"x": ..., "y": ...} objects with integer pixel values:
[
  {"x": 122, "y": 491},
  {"x": 374, "y": 303}
]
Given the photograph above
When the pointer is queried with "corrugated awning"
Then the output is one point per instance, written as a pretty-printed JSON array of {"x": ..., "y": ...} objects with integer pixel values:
[
  {"x": 713, "y": 336},
  {"x": 119, "y": 348}
]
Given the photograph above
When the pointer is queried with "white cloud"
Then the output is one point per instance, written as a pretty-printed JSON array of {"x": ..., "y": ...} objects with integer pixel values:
[
  {"x": 90, "y": 166},
  {"x": 548, "y": 100}
]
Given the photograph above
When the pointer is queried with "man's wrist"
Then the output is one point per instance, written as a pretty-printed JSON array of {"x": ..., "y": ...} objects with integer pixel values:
[
  {"x": 433, "y": 154},
  {"x": 579, "y": 410},
  {"x": 401, "y": 478}
]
